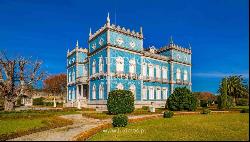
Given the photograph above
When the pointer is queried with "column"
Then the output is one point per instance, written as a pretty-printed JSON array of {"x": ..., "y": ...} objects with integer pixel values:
[{"x": 82, "y": 90}]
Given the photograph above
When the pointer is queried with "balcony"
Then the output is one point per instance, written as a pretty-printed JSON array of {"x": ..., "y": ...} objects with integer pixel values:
[
  {"x": 157, "y": 79},
  {"x": 164, "y": 80},
  {"x": 151, "y": 79},
  {"x": 132, "y": 76}
]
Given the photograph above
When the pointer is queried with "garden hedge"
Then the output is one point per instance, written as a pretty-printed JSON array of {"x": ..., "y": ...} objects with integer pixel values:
[
  {"x": 120, "y": 120},
  {"x": 120, "y": 102}
]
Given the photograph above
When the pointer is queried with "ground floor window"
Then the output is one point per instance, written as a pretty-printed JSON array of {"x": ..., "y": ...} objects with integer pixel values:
[
  {"x": 94, "y": 92},
  {"x": 151, "y": 93},
  {"x": 165, "y": 93},
  {"x": 158, "y": 93},
  {"x": 144, "y": 93}
]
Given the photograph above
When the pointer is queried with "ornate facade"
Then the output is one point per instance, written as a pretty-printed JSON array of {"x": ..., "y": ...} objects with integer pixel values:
[{"x": 116, "y": 59}]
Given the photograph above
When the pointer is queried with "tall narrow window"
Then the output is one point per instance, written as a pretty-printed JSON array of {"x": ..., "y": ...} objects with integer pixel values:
[
  {"x": 100, "y": 65},
  {"x": 119, "y": 86},
  {"x": 164, "y": 73},
  {"x": 119, "y": 64},
  {"x": 144, "y": 69},
  {"x": 151, "y": 70},
  {"x": 164, "y": 93},
  {"x": 70, "y": 77},
  {"x": 85, "y": 72},
  {"x": 132, "y": 66},
  {"x": 178, "y": 74},
  {"x": 70, "y": 95},
  {"x": 158, "y": 71},
  {"x": 132, "y": 89},
  {"x": 144, "y": 93},
  {"x": 101, "y": 90},
  {"x": 151, "y": 93},
  {"x": 158, "y": 93},
  {"x": 94, "y": 92},
  {"x": 73, "y": 75},
  {"x": 73, "y": 94},
  {"x": 185, "y": 75},
  {"x": 93, "y": 68}
]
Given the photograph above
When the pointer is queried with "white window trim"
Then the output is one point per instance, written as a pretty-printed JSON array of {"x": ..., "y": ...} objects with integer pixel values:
[
  {"x": 119, "y": 86},
  {"x": 100, "y": 64},
  {"x": 185, "y": 75},
  {"x": 144, "y": 69},
  {"x": 132, "y": 88},
  {"x": 151, "y": 96},
  {"x": 132, "y": 66},
  {"x": 158, "y": 71},
  {"x": 151, "y": 70},
  {"x": 164, "y": 96},
  {"x": 144, "y": 93},
  {"x": 101, "y": 91},
  {"x": 164, "y": 73},
  {"x": 158, "y": 93},
  {"x": 119, "y": 64},
  {"x": 178, "y": 74},
  {"x": 70, "y": 79},
  {"x": 93, "y": 67}
]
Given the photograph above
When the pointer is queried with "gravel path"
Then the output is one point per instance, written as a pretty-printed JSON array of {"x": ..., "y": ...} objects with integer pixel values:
[{"x": 66, "y": 133}]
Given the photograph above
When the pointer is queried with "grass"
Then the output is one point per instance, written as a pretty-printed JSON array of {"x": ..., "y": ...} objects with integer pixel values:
[
  {"x": 221, "y": 127},
  {"x": 19, "y": 123}
]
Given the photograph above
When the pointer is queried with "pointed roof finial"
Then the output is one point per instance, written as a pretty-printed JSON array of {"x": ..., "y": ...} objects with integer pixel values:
[
  {"x": 189, "y": 46},
  {"x": 90, "y": 33},
  {"x": 141, "y": 30},
  {"x": 108, "y": 19},
  {"x": 171, "y": 40},
  {"x": 77, "y": 45}
]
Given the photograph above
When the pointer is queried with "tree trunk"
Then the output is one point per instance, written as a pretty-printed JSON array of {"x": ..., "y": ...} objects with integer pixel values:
[
  {"x": 234, "y": 101},
  {"x": 8, "y": 105}
]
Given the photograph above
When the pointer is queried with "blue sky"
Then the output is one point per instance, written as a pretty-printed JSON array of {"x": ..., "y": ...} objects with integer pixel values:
[{"x": 216, "y": 29}]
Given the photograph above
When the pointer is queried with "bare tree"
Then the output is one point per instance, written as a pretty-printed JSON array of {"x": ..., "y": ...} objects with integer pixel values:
[{"x": 17, "y": 77}]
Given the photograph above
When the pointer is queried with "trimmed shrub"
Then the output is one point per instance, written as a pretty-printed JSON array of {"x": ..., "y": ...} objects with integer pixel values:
[
  {"x": 242, "y": 102},
  {"x": 38, "y": 101},
  {"x": 120, "y": 120},
  {"x": 120, "y": 102},
  {"x": 224, "y": 101},
  {"x": 245, "y": 110},
  {"x": 168, "y": 114},
  {"x": 205, "y": 111},
  {"x": 182, "y": 99}
]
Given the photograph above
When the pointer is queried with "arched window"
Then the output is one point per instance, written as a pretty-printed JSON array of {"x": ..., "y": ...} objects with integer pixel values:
[
  {"x": 151, "y": 93},
  {"x": 93, "y": 68},
  {"x": 70, "y": 77},
  {"x": 185, "y": 75},
  {"x": 158, "y": 93},
  {"x": 144, "y": 93},
  {"x": 101, "y": 90},
  {"x": 73, "y": 75},
  {"x": 144, "y": 69},
  {"x": 119, "y": 64},
  {"x": 158, "y": 71},
  {"x": 132, "y": 66},
  {"x": 119, "y": 86},
  {"x": 133, "y": 90},
  {"x": 151, "y": 70},
  {"x": 164, "y": 73},
  {"x": 70, "y": 95},
  {"x": 73, "y": 94},
  {"x": 178, "y": 74},
  {"x": 94, "y": 92},
  {"x": 164, "y": 93},
  {"x": 100, "y": 64}
]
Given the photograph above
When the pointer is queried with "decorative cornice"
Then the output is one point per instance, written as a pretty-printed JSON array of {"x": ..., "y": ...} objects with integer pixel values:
[
  {"x": 175, "y": 47},
  {"x": 84, "y": 50},
  {"x": 116, "y": 28}
]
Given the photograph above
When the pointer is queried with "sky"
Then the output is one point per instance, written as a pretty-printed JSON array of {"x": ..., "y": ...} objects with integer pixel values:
[{"x": 217, "y": 31}]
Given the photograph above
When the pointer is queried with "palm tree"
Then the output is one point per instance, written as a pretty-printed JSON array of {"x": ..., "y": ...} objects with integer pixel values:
[{"x": 234, "y": 86}]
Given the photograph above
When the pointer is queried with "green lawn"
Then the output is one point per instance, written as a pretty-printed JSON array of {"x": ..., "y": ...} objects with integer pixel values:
[
  {"x": 18, "y": 123},
  {"x": 232, "y": 126},
  {"x": 15, "y": 125}
]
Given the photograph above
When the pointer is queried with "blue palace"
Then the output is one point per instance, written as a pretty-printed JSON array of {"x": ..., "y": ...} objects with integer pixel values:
[{"x": 116, "y": 59}]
